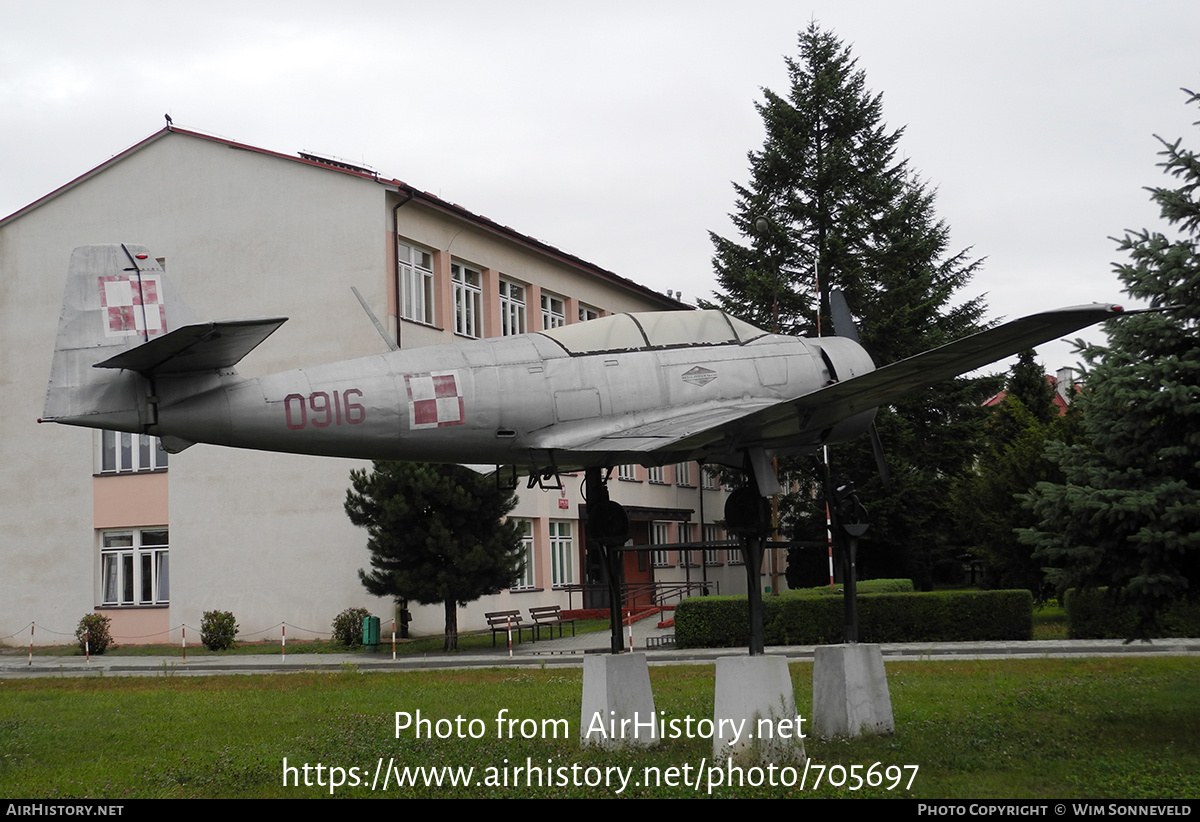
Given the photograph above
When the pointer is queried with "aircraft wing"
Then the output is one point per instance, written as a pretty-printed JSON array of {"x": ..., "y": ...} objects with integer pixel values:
[
  {"x": 780, "y": 424},
  {"x": 892, "y": 382}
]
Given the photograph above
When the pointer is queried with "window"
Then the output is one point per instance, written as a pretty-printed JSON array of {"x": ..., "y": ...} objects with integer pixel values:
[
  {"x": 134, "y": 567},
  {"x": 562, "y": 553},
  {"x": 123, "y": 453},
  {"x": 512, "y": 308},
  {"x": 586, "y": 312},
  {"x": 526, "y": 580},
  {"x": 683, "y": 474},
  {"x": 655, "y": 475},
  {"x": 416, "y": 283},
  {"x": 468, "y": 299},
  {"x": 660, "y": 534},
  {"x": 708, "y": 479},
  {"x": 712, "y": 556},
  {"x": 554, "y": 311},
  {"x": 685, "y": 535},
  {"x": 627, "y": 473}
]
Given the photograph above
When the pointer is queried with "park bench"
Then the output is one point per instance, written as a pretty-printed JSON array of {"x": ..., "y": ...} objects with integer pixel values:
[
  {"x": 499, "y": 622},
  {"x": 549, "y": 616}
]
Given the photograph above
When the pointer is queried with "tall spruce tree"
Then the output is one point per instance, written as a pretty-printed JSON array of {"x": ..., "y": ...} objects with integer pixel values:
[
  {"x": 1127, "y": 515},
  {"x": 840, "y": 210},
  {"x": 436, "y": 533},
  {"x": 986, "y": 499}
]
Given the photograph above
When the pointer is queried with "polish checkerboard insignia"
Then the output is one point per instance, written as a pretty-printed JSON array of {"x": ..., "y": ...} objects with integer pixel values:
[
  {"x": 132, "y": 305},
  {"x": 434, "y": 400}
]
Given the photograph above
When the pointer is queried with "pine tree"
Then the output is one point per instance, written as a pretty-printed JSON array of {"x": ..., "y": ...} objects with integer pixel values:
[
  {"x": 840, "y": 210},
  {"x": 437, "y": 534},
  {"x": 986, "y": 499},
  {"x": 1127, "y": 515}
]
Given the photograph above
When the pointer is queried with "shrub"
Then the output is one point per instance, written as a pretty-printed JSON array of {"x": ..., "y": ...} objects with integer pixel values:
[
  {"x": 348, "y": 626},
  {"x": 218, "y": 630},
  {"x": 811, "y": 619},
  {"x": 1096, "y": 614},
  {"x": 98, "y": 638}
]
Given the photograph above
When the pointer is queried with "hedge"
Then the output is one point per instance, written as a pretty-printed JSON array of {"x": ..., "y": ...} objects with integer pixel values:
[
  {"x": 1092, "y": 614},
  {"x": 940, "y": 616}
]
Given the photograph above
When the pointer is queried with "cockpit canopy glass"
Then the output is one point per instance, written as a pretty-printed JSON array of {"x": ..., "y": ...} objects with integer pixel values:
[{"x": 655, "y": 329}]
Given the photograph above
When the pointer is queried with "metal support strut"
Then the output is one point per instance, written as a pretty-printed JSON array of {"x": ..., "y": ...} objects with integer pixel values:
[{"x": 608, "y": 528}]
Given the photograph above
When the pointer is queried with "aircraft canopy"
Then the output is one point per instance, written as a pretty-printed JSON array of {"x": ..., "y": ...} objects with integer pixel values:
[{"x": 654, "y": 329}]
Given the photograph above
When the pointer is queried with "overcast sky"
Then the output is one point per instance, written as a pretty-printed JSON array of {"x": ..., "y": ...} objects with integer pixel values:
[{"x": 614, "y": 130}]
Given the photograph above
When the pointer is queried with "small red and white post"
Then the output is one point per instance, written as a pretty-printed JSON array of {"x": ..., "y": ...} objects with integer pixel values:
[
  {"x": 508, "y": 626},
  {"x": 630, "y": 626},
  {"x": 31, "y": 643},
  {"x": 283, "y": 642},
  {"x": 183, "y": 641},
  {"x": 393, "y": 639},
  {"x": 87, "y": 649}
]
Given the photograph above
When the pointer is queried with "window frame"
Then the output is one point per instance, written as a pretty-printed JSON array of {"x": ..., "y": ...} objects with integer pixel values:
[
  {"x": 137, "y": 574},
  {"x": 467, "y": 287},
  {"x": 562, "y": 553},
  {"x": 528, "y": 579},
  {"x": 416, "y": 284},
  {"x": 554, "y": 311},
  {"x": 118, "y": 455},
  {"x": 660, "y": 534},
  {"x": 513, "y": 308}
]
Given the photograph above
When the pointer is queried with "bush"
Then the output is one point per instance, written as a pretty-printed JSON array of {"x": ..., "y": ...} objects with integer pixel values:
[
  {"x": 98, "y": 638},
  {"x": 348, "y": 626},
  {"x": 1096, "y": 614},
  {"x": 218, "y": 630},
  {"x": 808, "y": 619}
]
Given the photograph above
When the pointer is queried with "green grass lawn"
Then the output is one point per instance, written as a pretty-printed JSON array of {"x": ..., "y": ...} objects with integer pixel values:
[{"x": 1096, "y": 728}]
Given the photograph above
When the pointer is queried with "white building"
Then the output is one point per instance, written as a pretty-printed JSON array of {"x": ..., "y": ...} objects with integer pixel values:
[{"x": 92, "y": 521}]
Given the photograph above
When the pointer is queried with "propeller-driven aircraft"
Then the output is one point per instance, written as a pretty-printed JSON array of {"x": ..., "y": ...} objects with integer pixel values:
[{"x": 650, "y": 388}]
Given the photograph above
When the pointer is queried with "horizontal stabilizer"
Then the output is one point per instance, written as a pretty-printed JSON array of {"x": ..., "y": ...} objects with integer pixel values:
[{"x": 194, "y": 348}]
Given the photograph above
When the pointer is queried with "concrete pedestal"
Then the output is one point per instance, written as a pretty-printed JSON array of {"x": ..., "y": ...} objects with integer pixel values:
[
  {"x": 618, "y": 705},
  {"x": 754, "y": 713},
  {"x": 850, "y": 692}
]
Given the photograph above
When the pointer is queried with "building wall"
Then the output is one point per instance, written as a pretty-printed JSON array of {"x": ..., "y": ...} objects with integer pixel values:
[{"x": 244, "y": 233}]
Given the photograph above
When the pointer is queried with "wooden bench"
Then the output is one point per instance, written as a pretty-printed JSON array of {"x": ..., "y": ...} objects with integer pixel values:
[
  {"x": 499, "y": 622},
  {"x": 548, "y": 616}
]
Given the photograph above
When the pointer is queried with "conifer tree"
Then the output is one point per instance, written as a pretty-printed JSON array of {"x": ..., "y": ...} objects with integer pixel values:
[
  {"x": 986, "y": 499},
  {"x": 436, "y": 533},
  {"x": 838, "y": 209},
  {"x": 1127, "y": 515}
]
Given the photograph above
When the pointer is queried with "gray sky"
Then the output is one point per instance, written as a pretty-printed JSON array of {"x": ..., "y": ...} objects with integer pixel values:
[{"x": 613, "y": 130}]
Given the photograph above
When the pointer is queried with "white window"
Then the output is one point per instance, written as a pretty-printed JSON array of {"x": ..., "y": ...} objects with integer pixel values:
[
  {"x": 627, "y": 473},
  {"x": 512, "y": 308},
  {"x": 660, "y": 534},
  {"x": 712, "y": 556},
  {"x": 708, "y": 479},
  {"x": 468, "y": 300},
  {"x": 683, "y": 474},
  {"x": 416, "y": 283},
  {"x": 554, "y": 311},
  {"x": 687, "y": 557},
  {"x": 655, "y": 475},
  {"x": 586, "y": 312},
  {"x": 562, "y": 553},
  {"x": 134, "y": 567},
  {"x": 526, "y": 580},
  {"x": 123, "y": 453}
]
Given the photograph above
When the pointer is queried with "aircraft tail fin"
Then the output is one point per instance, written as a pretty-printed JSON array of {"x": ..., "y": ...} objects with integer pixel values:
[{"x": 121, "y": 326}]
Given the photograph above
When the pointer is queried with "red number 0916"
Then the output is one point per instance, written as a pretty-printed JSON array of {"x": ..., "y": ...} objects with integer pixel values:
[{"x": 321, "y": 409}]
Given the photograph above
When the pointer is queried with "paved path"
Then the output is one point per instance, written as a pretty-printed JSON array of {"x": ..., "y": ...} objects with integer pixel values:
[{"x": 566, "y": 652}]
